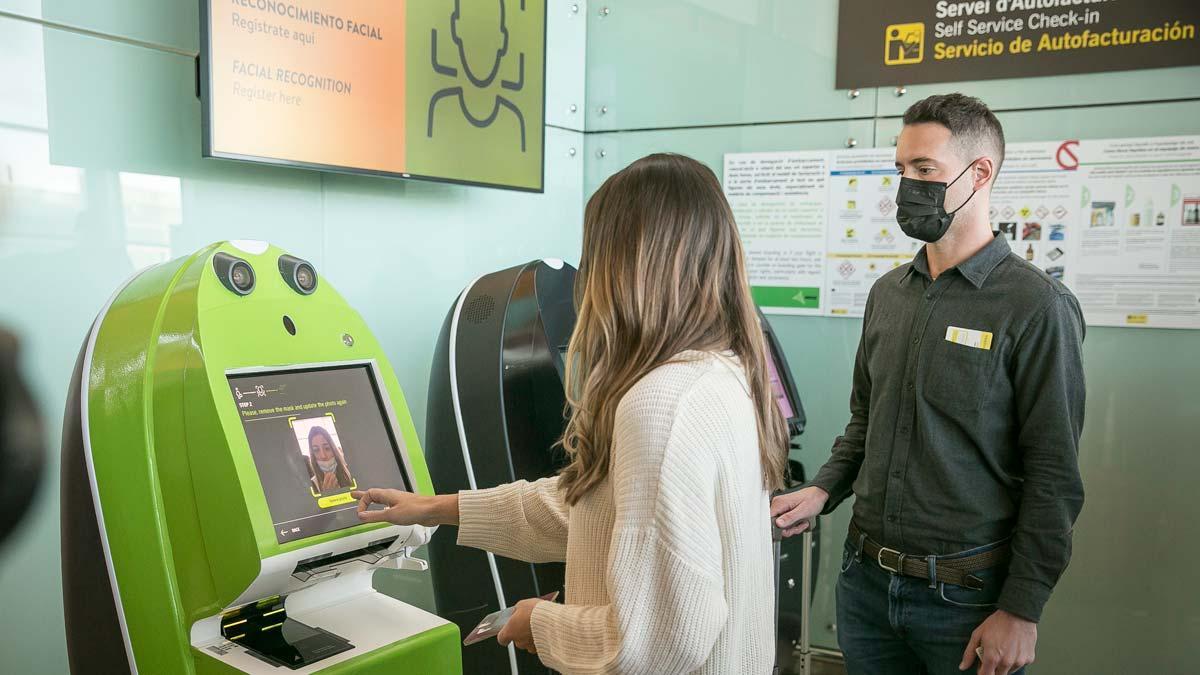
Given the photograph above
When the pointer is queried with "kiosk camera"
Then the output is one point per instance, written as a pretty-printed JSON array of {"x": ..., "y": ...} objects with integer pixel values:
[
  {"x": 496, "y": 410},
  {"x": 222, "y": 409}
]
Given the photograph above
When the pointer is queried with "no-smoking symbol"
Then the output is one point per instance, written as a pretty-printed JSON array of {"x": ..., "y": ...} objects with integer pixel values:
[{"x": 1066, "y": 155}]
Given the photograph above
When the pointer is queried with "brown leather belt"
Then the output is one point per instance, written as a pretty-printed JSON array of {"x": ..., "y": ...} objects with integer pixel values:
[{"x": 954, "y": 571}]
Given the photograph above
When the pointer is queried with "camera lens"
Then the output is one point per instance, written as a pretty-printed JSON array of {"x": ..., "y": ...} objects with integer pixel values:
[
  {"x": 242, "y": 277},
  {"x": 305, "y": 277},
  {"x": 299, "y": 274},
  {"x": 234, "y": 273}
]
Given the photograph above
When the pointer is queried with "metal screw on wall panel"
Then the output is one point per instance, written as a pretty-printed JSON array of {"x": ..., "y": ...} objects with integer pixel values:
[
  {"x": 571, "y": 152},
  {"x": 603, "y": 110},
  {"x": 601, "y": 153},
  {"x": 348, "y": 339},
  {"x": 604, "y": 11},
  {"x": 851, "y": 142},
  {"x": 831, "y": 627},
  {"x": 574, "y": 108},
  {"x": 575, "y": 9},
  {"x": 901, "y": 90},
  {"x": 853, "y": 93},
  {"x": 791, "y": 583}
]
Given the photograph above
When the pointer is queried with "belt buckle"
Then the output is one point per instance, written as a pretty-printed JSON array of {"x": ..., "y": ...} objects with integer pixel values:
[{"x": 879, "y": 559}]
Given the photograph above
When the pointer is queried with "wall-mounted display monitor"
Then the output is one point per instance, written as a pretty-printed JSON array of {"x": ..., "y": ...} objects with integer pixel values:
[
  {"x": 316, "y": 434},
  {"x": 450, "y": 90}
]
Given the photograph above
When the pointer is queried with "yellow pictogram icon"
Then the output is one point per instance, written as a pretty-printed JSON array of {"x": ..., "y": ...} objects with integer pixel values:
[{"x": 903, "y": 43}]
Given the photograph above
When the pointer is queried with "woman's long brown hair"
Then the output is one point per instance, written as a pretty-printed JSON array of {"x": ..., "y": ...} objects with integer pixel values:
[{"x": 662, "y": 272}]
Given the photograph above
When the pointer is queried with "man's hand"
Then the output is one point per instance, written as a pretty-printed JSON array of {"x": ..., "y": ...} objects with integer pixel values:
[
  {"x": 517, "y": 629},
  {"x": 1007, "y": 642},
  {"x": 793, "y": 512}
]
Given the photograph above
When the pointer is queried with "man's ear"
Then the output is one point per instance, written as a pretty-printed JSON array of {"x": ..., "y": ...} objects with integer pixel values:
[{"x": 984, "y": 172}]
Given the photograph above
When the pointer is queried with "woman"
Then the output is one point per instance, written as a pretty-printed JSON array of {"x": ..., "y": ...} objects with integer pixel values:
[
  {"x": 674, "y": 440},
  {"x": 325, "y": 459}
]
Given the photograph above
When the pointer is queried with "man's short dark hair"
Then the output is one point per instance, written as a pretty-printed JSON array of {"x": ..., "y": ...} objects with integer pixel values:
[{"x": 974, "y": 128}]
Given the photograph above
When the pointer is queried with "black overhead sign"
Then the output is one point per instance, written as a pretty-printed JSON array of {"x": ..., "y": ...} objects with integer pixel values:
[{"x": 893, "y": 42}]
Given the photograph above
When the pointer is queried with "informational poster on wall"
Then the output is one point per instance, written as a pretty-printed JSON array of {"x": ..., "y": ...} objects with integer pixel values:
[
  {"x": 1138, "y": 250},
  {"x": 1117, "y": 221},
  {"x": 780, "y": 201},
  {"x": 1034, "y": 203},
  {"x": 440, "y": 89},
  {"x": 863, "y": 240}
]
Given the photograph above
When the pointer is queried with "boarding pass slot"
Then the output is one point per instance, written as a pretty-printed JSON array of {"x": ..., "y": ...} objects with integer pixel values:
[{"x": 329, "y": 565}]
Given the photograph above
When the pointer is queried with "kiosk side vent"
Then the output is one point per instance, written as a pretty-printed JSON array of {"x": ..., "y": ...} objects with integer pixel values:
[{"x": 479, "y": 309}]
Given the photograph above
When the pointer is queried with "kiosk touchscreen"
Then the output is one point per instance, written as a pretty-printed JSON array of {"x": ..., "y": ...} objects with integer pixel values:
[
  {"x": 496, "y": 411},
  {"x": 309, "y": 457},
  {"x": 223, "y": 408}
]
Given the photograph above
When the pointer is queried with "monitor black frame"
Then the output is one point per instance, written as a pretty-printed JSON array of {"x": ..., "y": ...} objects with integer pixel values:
[
  {"x": 204, "y": 93},
  {"x": 384, "y": 404}
]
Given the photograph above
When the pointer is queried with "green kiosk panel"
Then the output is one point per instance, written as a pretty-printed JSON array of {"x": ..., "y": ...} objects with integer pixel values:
[{"x": 223, "y": 407}]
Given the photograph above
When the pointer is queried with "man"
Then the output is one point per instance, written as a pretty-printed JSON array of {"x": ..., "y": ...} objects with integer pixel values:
[{"x": 966, "y": 410}]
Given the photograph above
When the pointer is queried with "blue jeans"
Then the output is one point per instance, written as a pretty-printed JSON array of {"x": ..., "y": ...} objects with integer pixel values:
[{"x": 888, "y": 623}]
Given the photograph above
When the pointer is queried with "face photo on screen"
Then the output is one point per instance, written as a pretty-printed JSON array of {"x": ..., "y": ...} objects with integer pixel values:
[{"x": 318, "y": 441}]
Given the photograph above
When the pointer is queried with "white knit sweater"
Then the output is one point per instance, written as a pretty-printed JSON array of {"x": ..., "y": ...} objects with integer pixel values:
[{"x": 669, "y": 561}]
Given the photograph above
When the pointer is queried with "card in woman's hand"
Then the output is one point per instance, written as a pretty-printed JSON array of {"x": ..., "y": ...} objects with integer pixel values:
[{"x": 492, "y": 623}]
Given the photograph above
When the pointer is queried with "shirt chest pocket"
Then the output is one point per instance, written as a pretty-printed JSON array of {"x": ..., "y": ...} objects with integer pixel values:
[{"x": 957, "y": 376}]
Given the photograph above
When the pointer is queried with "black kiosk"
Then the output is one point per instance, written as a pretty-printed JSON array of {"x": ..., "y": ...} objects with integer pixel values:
[
  {"x": 496, "y": 409},
  {"x": 789, "y": 597}
]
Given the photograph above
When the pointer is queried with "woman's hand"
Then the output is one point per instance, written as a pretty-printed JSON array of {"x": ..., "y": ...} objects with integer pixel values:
[
  {"x": 329, "y": 482},
  {"x": 517, "y": 629},
  {"x": 406, "y": 508}
]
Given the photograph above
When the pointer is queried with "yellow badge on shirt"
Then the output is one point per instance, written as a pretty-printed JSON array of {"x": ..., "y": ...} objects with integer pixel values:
[{"x": 969, "y": 338}]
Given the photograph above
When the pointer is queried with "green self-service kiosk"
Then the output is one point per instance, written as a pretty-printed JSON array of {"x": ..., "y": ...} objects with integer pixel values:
[{"x": 223, "y": 407}]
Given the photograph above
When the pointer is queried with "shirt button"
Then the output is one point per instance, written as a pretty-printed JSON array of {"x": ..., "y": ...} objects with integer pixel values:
[
  {"x": 892, "y": 518},
  {"x": 916, "y": 341},
  {"x": 929, "y": 296},
  {"x": 909, "y": 386},
  {"x": 895, "y": 474}
]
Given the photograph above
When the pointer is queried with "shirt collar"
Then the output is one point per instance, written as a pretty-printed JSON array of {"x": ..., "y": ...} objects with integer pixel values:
[{"x": 976, "y": 269}]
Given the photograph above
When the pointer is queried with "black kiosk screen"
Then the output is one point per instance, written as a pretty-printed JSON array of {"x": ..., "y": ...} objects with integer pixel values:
[{"x": 316, "y": 434}]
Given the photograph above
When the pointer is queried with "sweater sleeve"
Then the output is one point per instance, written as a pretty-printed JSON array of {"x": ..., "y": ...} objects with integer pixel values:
[
  {"x": 521, "y": 520},
  {"x": 665, "y": 575}
]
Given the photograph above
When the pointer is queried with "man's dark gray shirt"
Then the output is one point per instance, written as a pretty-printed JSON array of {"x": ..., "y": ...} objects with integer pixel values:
[{"x": 958, "y": 438}]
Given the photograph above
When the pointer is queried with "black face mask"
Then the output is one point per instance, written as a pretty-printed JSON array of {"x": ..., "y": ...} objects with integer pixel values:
[{"x": 921, "y": 207}]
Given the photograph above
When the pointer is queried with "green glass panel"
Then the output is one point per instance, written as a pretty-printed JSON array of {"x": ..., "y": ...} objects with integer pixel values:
[
  {"x": 666, "y": 63},
  {"x": 173, "y": 24},
  {"x": 1059, "y": 91}
]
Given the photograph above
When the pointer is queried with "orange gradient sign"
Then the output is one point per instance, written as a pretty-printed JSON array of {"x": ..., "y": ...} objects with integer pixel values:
[{"x": 315, "y": 82}]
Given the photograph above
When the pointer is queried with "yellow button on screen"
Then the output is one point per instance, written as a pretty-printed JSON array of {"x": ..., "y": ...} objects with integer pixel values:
[{"x": 335, "y": 500}]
